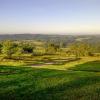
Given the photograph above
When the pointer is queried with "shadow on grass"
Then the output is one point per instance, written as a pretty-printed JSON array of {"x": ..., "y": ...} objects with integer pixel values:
[
  {"x": 92, "y": 66},
  {"x": 9, "y": 70},
  {"x": 80, "y": 86},
  {"x": 72, "y": 90}
]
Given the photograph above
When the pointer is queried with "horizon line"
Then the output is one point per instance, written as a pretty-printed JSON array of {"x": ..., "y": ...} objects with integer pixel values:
[{"x": 50, "y": 33}]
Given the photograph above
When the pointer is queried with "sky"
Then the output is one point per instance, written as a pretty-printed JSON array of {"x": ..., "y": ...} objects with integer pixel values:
[{"x": 50, "y": 16}]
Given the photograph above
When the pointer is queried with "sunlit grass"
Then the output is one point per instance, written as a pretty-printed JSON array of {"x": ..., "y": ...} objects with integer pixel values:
[
  {"x": 66, "y": 79},
  {"x": 23, "y": 83},
  {"x": 69, "y": 64}
]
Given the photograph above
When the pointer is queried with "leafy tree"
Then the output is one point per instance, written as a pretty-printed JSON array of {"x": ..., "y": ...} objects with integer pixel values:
[
  {"x": 27, "y": 48},
  {"x": 52, "y": 48},
  {"x": 0, "y": 48},
  {"x": 19, "y": 52},
  {"x": 39, "y": 51},
  {"x": 8, "y": 48},
  {"x": 80, "y": 49}
]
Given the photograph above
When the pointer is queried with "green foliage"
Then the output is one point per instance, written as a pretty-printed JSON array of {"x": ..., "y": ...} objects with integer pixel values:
[
  {"x": 81, "y": 49},
  {"x": 52, "y": 48},
  {"x": 77, "y": 49},
  {"x": 27, "y": 47},
  {"x": 39, "y": 51},
  {"x": 19, "y": 52},
  {"x": 8, "y": 48},
  {"x": 0, "y": 48}
]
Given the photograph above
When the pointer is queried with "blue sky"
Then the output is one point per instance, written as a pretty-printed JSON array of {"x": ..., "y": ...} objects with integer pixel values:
[{"x": 50, "y": 16}]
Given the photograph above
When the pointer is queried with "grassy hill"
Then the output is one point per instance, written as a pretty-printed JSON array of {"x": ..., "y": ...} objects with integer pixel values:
[
  {"x": 49, "y": 67},
  {"x": 81, "y": 81}
]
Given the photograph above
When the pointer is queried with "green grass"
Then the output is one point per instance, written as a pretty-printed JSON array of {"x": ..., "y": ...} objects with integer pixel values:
[
  {"x": 81, "y": 82},
  {"x": 93, "y": 66},
  {"x": 69, "y": 63}
]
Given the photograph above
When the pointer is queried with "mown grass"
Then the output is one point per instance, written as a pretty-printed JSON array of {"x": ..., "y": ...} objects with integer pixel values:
[
  {"x": 93, "y": 66},
  {"x": 25, "y": 83},
  {"x": 69, "y": 63}
]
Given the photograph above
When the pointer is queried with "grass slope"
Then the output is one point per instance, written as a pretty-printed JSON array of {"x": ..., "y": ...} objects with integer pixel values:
[{"x": 18, "y": 83}]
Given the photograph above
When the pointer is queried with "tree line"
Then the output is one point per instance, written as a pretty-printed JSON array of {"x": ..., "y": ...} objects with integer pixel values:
[{"x": 9, "y": 48}]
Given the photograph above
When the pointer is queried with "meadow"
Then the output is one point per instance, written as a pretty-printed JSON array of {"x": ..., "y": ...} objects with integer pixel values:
[
  {"x": 49, "y": 71},
  {"x": 70, "y": 80}
]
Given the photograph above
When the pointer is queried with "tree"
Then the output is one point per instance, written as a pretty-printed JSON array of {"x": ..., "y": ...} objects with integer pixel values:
[
  {"x": 52, "y": 48},
  {"x": 19, "y": 51},
  {"x": 8, "y": 49},
  {"x": 27, "y": 47},
  {"x": 81, "y": 49},
  {"x": 39, "y": 51},
  {"x": 0, "y": 48}
]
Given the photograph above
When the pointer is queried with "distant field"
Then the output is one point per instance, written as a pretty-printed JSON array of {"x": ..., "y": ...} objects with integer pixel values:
[{"x": 76, "y": 80}]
